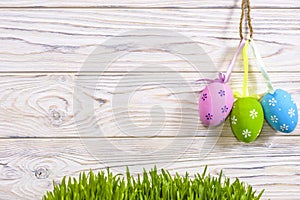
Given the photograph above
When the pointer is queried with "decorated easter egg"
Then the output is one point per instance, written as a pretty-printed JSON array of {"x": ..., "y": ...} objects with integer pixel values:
[
  {"x": 215, "y": 103},
  {"x": 280, "y": 111},
  {"x": 246, "y": 119}
]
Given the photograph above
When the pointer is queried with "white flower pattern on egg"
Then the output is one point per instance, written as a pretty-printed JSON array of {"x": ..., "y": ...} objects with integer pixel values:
[
  {"x": 284, "y": 127},
  {"x": 280, "y": 111},
  {"x": 233, "y": 119},
  {"x": 272, "y": 102},
  {"x": 246, "y": 133},
  {"x": 291, "y": 112},
  {"x": 274, "y": 118},
  {"x": 253, "y": 114},
  {"x": 292, "y": 100}
]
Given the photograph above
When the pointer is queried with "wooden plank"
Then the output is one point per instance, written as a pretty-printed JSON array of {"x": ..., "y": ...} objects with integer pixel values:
[
  {"x": 147, "y": 4},
  {"x": 40, "y": 105},
  {"x": 61, "y": 40},
  {"x": 28, "y": 167}
]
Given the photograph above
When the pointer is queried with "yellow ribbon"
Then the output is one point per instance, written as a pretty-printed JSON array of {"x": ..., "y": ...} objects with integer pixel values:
[
  {"x": 246, "y": 68},
  {"x": 239, "y": 95},
  {"x": 245, "y": 83}
]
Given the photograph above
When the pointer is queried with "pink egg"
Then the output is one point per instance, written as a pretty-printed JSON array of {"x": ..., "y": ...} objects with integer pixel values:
[{"x": 215, "y": 103}]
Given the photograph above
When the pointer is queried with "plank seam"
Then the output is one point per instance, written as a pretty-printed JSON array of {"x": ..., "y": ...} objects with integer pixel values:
[{"x": 148, "y": 8}]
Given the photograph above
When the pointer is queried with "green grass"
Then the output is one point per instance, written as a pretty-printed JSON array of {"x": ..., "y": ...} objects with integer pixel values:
[{"x": 150, "y": 185}]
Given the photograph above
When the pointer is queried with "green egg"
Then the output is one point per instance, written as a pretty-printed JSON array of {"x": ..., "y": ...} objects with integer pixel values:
[{"x": 246, "y": 119}]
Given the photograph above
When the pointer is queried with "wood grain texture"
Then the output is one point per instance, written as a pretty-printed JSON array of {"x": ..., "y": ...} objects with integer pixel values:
[
  {"x": 147, "y": 4},
  {"x": 46, "y": 131},
  {"x": 54, "y": 105},
  {"x": 28, "y": 167},
  {"x": 61, "y": 40}
]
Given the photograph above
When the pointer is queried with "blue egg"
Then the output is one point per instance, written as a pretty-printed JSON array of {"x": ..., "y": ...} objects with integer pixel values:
[{"x": 280, "y": 111}]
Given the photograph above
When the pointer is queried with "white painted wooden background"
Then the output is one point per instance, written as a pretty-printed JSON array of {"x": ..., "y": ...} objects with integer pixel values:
[{"x": 43, "y": 44}]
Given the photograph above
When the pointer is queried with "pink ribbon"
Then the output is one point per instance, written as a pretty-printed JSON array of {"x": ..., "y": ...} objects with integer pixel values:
[{"x": 224, "y": 78}]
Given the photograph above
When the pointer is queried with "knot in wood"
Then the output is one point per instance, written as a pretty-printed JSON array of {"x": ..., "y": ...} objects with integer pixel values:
[
  {"x": 56, "y": 117},
  {"x": 41, "y": 173}
]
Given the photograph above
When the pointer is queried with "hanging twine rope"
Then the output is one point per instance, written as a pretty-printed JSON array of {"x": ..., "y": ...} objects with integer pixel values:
[{"x": 245, "y": 6}]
